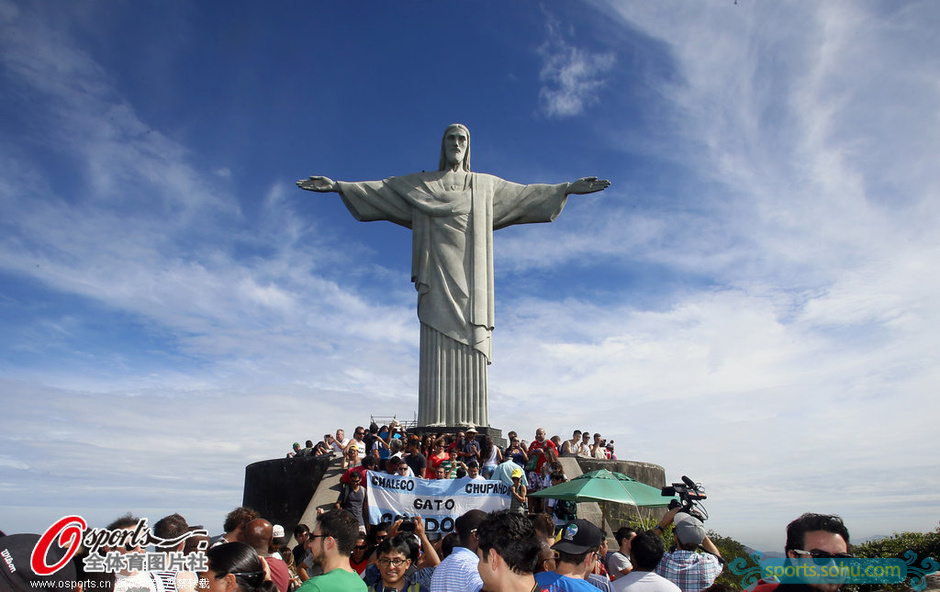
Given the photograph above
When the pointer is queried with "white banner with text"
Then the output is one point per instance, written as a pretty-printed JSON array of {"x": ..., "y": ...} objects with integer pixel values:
[{"x": 438, "y": 501}]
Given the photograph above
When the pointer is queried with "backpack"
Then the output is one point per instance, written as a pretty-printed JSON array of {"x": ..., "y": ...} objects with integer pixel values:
[{"x": 565, "y": 510}]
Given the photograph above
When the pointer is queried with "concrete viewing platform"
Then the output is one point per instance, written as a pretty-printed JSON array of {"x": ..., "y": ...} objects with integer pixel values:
[{"x": 288, "y": 491}]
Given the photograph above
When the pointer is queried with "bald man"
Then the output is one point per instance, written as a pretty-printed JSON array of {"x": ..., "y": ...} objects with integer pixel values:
[{"x": 259, "y": 534}]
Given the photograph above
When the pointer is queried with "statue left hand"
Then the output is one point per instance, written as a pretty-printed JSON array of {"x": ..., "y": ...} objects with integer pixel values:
[{"x": 588, "y": 185}]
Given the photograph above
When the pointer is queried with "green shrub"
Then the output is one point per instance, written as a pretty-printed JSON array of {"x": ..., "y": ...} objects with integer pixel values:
[
  {"x": 925, "y": 544},
  {"x": 730, "y": 550}
]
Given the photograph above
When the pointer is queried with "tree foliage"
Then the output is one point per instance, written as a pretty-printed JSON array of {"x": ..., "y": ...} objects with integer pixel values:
[
  {"x": 730, "y": 550},
  {"x": 925, "y": 544}
]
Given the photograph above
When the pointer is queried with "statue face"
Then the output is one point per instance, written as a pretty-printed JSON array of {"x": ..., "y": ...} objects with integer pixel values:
[{"x": 456, "y": 143}]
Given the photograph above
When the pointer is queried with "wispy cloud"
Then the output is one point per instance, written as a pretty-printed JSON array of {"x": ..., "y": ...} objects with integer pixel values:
[
  {"x": 571, "y": 76},
  {"x": 176, "y": 255},
  {"x": 780, "y": 186},
  {"x": 149, "y": 238},
  {"x": 800, "y": 139}
]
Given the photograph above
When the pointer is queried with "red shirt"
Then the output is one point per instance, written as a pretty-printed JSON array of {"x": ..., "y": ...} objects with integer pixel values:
[
  {"x": 357, "y": 469},
  {"x": 361, "y": 566},
  {"x": 434, "y": 461},
  {"x": 537, "y": 446}
]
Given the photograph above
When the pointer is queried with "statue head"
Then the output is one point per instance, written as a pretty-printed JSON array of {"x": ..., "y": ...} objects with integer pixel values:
[{"x": 451, "y": 148}]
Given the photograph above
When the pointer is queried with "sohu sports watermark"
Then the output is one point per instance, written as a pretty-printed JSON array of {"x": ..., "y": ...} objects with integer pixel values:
[
  {"x": 114, "y": 551},
  {"x": 835, "y": 570}
]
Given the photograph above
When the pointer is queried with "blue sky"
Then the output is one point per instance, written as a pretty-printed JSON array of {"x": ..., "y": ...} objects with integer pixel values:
[{"x": 753, "y": 302}]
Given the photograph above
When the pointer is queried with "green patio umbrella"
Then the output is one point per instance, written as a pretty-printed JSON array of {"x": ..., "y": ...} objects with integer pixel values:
[
  {"x": 646, "y": 496},
  {"x": 604, "y": 486}
]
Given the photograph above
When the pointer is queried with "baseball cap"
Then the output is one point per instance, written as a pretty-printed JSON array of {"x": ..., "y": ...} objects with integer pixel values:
[
  {"x": 15, "y": 570},
  {"x": 578, "y": 536},
  {"x": 689, "y": 529}
]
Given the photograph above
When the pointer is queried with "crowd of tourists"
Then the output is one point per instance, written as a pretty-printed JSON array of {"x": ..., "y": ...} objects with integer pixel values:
[
  {"x": 527, "y": 548},
  {"x": 460, "y": 454},
  {"x": 379, "y": 441},
  {"x": 501, "y": 551}
]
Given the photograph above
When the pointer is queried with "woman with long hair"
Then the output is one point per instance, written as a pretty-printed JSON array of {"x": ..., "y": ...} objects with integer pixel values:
[
  {"x": 517, "y": 451},
  {"x": 235, "y": 567},
  {"x": 427, "y": 445}
]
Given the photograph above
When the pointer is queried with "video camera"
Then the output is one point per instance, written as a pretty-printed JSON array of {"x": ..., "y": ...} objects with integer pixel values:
[{"x": 691, "y": 494}]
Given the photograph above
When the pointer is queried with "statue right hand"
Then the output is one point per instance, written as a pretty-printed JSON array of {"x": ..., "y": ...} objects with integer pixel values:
[{"x": 319, "y": 184}]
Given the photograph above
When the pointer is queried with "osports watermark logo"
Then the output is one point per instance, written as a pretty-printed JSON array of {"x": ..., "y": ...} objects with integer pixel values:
[{"x": 104, "y": 545}]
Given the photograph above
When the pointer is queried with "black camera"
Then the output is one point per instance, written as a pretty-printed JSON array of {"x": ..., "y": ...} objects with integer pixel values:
[
  {"x": 690, "y": 495},
  {"x": 407, "y": 524}
]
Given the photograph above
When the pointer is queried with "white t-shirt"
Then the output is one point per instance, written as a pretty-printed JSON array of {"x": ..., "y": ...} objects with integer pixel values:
[
  {"x": 361, "y": 445},
  {"x": 338, "y": 446},
  {"x": 643, "y": 581},
  {"x": 616, "y": 562}
]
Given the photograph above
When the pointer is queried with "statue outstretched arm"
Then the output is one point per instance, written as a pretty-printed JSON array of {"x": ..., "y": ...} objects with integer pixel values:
[
  {"x": 366, "y": 200},
  {"x": 319, "y": 184},
  {"x": 584, "y": 185}
]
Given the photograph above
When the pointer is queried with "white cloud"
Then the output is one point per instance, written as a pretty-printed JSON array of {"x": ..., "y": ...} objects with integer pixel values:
[
  {"x": 572, "y": 76},
  {"x": 804, "y": 202},
  {"x": 812, "y": 216},
  {"x": 146, "y": 235}
]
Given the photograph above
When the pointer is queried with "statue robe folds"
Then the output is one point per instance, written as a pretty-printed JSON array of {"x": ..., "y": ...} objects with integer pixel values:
[{"x": 452, "y": 269}]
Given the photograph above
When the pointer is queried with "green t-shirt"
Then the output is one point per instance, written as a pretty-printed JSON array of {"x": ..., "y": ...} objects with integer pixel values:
[{"x": 337, "y": 580}]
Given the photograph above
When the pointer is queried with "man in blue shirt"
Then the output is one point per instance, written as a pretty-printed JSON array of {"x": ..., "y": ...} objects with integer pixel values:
[
  {"x": 577, "y": 550},
  {"x": 458, "y": 572}
]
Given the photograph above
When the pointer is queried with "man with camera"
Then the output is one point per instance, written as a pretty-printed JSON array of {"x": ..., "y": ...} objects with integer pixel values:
[{"x": 691, "y": 571}]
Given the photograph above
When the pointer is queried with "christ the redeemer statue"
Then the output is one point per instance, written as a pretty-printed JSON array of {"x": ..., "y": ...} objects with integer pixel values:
[{"x": 452, "y": 214}]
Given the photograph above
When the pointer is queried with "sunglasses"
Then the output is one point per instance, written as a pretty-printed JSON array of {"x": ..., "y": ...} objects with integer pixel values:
[{"x": 823, "y": 557}]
